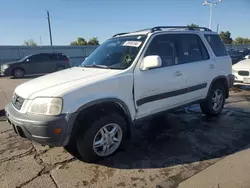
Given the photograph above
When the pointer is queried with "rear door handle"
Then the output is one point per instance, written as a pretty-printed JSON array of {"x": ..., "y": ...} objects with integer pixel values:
[
  {"x": 178, "y": 73},
  {"x": 211, "y": 66}
]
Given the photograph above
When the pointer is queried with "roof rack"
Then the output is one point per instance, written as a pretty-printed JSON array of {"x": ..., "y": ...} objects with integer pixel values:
[{"x": 159, "y": 28}]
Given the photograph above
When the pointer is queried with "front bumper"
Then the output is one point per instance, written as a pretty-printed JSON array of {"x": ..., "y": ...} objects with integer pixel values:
[
  {"x": 4, "y": 72},
  {"x": 40, "y": 128},
  {"x": 241, "y": 79}
]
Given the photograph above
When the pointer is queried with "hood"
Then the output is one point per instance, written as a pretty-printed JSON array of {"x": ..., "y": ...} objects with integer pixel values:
[
  {"x": 10, "y": 63},
  {"x": 244, "y": 64},
  {"x": 54, "y": 83}
]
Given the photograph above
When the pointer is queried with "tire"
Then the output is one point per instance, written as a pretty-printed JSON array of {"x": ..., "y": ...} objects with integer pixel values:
[
  {"x": 18, "y": 73},
  {"x": 96, "y": 133},
  {"x": 212, "y": 105}
]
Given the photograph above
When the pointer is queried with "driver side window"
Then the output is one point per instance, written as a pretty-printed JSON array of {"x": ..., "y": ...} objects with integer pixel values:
[{"x": 163, "y": 46}]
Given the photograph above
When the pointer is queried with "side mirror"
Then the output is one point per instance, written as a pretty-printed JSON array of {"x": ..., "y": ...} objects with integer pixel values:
[{"x": 150, "y": 62}]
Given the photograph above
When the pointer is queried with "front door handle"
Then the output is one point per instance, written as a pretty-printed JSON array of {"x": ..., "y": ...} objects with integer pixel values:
[
  {"x": 178, "y": 73},
  {"x": 211, "y": 66}
]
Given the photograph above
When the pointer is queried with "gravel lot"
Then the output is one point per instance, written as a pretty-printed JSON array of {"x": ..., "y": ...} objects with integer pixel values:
[{"x": 164, "y": 151}]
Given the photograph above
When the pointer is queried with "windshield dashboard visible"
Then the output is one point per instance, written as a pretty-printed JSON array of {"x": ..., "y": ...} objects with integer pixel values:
[{"x": 116, "y": 53}]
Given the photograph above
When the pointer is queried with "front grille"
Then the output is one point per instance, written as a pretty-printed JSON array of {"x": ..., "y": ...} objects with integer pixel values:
[
  {"x": 243, "y": 73},
  {"x": 17, "y": 101}
]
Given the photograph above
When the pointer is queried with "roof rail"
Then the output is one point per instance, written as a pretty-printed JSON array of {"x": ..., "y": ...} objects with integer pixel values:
[
  {"x": 159, "y": 28},
  {"x": 148, "y": 29},
  {"x": 120, "y": 34}
]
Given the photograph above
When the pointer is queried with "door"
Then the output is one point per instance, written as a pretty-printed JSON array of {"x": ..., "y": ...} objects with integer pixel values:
[
  {"x": 221, "y": 60},
  {"x": 197, "y": 66},
  {"x": 49, "y": 64},
  {"x": 35, "y": 64},
  {"x": 160, "y": 88}
]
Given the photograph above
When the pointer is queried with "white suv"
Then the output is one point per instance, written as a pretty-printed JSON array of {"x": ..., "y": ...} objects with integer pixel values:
[{"x": 129, "y": 77}]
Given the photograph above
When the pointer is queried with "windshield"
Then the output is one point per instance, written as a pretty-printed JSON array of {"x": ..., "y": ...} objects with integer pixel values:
[{"x": 115, "y": 53}]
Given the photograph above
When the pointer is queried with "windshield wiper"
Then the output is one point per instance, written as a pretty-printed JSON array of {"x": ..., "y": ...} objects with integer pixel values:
[{"x": 94, "y": 65}]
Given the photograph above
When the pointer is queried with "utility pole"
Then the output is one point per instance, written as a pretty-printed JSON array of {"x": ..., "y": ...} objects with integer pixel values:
[
  {"x": 41, "y": 42},
  {"x": 50, "y": 35},
  {"x": 218, "y": 26},
  {"x": 211, "y": 4}
]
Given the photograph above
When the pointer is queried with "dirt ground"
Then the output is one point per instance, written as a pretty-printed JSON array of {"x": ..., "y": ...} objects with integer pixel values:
[{"x": 165, "y": 151}]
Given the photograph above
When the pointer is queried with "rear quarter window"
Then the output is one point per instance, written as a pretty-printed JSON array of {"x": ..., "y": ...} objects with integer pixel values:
[
  {"x": 217, "y": 45},
  {"x": 64, "y": 57},
  {"x": 57, "y": 57}
]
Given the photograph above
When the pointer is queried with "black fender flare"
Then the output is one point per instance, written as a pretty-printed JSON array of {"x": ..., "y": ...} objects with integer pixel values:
[
  {"x": 121, "y": 104},
  {"x": 216, "y": 79}
]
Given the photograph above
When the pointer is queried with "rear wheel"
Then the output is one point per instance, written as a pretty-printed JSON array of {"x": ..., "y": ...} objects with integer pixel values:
[
  {"x": 103, "y": 137},
  {"x": 215, "y": 101},
  {"x": 18, "y": 73}
]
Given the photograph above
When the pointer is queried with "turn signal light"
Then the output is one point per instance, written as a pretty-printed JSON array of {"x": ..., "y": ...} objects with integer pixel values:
[{"x": 57, "y": 130}]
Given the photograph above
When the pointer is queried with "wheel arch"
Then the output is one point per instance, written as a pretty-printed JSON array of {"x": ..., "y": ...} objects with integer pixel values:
[
  {"x": 14, "y": 68},
  {"x": 100, "y": 105},
  {"x": 222, "y": 80}
]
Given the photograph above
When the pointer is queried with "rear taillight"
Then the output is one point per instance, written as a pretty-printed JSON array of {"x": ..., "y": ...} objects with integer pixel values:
[{"x": 67, "y": 60}]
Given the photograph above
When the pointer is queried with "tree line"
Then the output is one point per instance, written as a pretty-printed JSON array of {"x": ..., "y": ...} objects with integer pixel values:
[
  {"x": 226, "y": 37},
  {"x": 82, "y": 42},
  {"x": 78, "y": 42}
]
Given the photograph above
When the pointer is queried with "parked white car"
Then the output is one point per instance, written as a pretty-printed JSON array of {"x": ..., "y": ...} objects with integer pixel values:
[
  {"x": 247, "y": 57},
  {"x": 129, "y": 77},
  {"x": 241, "y": 71}
]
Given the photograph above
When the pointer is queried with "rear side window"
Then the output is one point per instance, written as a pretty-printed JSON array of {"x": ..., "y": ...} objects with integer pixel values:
[
  {"x": 57, "y": 57},
  {"x": 191, "y": 48},
  {"x": 63, "y": 57},
  {"x": 217, "y": 45},
  {"x": 38, "y": 58}
]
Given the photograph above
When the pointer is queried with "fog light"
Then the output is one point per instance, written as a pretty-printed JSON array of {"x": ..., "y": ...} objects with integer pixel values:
[{"x": 57, "y": 130}]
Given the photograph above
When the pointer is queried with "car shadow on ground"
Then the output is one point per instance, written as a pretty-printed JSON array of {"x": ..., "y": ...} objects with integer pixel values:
[
  {"x": 2, "y": 115},
  {"x": 27, "y": 77},
  {"x": 182, "y": 138},
  {"x": 242, "y": 87}
]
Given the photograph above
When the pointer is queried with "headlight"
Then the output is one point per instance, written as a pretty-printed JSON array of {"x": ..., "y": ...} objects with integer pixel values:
[
  {"x": 234, "y": 71},
  {"x": 46, "y": 106},
  {"x": 5, "y": 66}
]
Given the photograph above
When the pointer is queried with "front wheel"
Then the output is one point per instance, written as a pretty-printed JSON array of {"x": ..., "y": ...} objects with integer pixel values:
[
  {"x": 214, "y": 103},
  {"x": 103, "y": 137},
  {"x": 18, "y": 73}
]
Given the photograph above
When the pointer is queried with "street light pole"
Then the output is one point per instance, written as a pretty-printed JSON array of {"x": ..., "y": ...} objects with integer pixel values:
[
  {"x": 211, "y": 12},
  {"x": 211, "y": 4}
]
